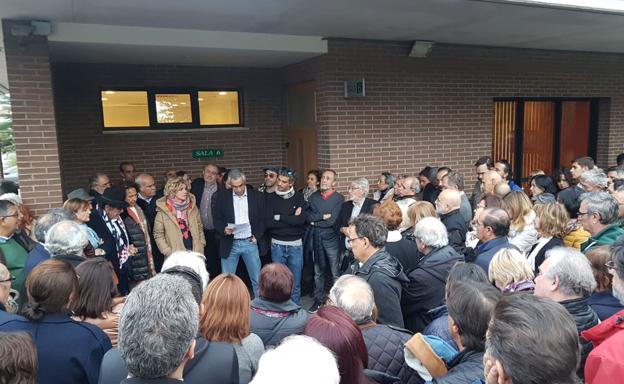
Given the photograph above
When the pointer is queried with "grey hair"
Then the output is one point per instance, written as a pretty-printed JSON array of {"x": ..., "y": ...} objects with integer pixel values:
[
  {"x": 282, "y": 364},
  {"x": 355, "y": 296},
  {"x": 193, "y": 260},
  {"x": 66, "y": 238},
  {"x": 456, "y": 180},
  {"x": 389, "y": 178},
  {"x": 139, "y": 178},
  {"x": 5, "y": 205},
  {"x": 93, "y": 180},
  {"x": 236, "y": 174},
  {"x": 573, "y": 271},
  {"x": 603, "y": 204},
  {"x": 157, "y": 325},
  {"x": 4, "y": 272},
  {"x": 45, "y": 222},
  {"x": 362, "y": 182},
  {"x": 415, "y": 185},
  {"x": 431, "y": 232},
  {"x": 371, "y": 227},
  {"x": 595, "y": 176}
]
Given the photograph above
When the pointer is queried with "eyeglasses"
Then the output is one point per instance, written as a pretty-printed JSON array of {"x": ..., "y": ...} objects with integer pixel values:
[
  {"x": 270, "y": 175},
  {"x": 579, "y": 213},
  {"x": 349, "y": 240},
  {"x": 11, "y": 278},
  {"x": 611, "y": 265},
  {"x": 14, "y": 215}
]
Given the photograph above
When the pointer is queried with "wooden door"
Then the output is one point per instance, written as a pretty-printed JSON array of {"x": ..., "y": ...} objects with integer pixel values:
[{"x": 302, "y": 154}]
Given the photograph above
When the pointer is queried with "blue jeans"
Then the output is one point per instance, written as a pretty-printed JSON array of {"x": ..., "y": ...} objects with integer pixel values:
[
  {"x": 330, "y": 246},
  {"x": 292, "y": 257},
  {"x": 249, "y": 252}
]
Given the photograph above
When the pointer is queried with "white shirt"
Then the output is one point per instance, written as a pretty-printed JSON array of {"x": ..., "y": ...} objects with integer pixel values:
[
  {"x": 241, "y": 213},
  {"x": 538, "y": 247},
  {"x": 357, "y": 208}
]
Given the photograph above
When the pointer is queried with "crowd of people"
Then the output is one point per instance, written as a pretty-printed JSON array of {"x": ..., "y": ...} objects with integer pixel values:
[{"x": 418, "y": 281}]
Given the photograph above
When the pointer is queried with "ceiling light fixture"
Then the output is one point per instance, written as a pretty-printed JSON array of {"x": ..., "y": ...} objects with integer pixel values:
[
  {"x": 104, "y": 99},
  {"x": 110, "y": 92},
  {"x": 200, "y": 99},
  {"x": 222, "y": 93}
]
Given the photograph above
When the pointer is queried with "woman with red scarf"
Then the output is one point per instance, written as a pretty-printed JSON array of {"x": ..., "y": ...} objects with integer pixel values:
[{"x": 178, "y": 224}]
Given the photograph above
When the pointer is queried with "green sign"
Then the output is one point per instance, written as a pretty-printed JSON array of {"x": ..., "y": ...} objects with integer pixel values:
[{"x": 207, "y": 153}]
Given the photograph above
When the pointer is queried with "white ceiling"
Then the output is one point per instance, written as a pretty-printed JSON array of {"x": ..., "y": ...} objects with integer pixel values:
[{"x": 473, "y": 22}]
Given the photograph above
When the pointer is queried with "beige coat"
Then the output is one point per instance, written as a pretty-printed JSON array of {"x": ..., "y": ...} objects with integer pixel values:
[{"x": 167, "y": 233}]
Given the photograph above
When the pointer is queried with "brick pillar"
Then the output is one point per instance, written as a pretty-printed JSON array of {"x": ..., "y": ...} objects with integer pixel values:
[{"x": 34, "y": 124}]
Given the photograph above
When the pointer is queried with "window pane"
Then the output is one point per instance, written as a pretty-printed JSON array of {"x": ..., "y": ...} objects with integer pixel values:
[
  {"x": 218, "y": 108},
  {"x": 125, "y": 109},
  {"x": 173, "y": 108}
]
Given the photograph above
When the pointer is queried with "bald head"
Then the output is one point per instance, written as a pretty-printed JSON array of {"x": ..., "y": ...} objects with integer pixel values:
[
  {"x": 502, "y": 189},
  {"x": 490, "y": 180},
  {"x": 494, "y": 222},
  {"x": 411, "y": 186},
  {"x": 448, "y": 200}
]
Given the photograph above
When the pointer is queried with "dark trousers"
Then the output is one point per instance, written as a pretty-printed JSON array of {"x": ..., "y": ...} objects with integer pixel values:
[
  {"x": 211, "y": 251},
  {"x": 332, "y": 253}
]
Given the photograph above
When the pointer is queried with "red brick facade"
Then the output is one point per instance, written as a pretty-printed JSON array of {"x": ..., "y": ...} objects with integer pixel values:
[
  {"x": 417, "y": 111},
  {"x": 34, "y": 125}
]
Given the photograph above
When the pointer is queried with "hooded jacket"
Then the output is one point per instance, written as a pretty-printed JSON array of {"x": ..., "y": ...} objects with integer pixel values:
[
  {"x": 585, "y": 318},
  {"x": 386, "y": 277},
  {"x": 605, "y": 363},
  {"x": 426, "y": 287},
  {"x": 274, "y": 321}
]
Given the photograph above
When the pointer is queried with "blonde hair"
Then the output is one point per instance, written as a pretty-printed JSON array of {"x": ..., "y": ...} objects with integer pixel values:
[
  {"x": 419, "y": 210},
  {"x": 226, "y": 315},
  {"x": 509, "y": 266},
  {"x": 518, "y": 205},
  {"x": 551, "y": 219},
  {"x": 173, "y": 186}
]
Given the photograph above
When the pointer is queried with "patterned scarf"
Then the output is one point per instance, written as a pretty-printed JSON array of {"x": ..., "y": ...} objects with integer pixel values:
[
  {"x": 180, "y": 211},
  {"x": 117, "y": 228}
]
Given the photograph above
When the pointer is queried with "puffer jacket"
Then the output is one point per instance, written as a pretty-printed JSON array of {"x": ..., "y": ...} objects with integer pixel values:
[
  {"x": 167, "y": 232},
  {"x": 425, "y": 290},
  {"x": 386, "y": 277},
  {"x": 604, "y": 364},
  {"x": 139, "y": 267},
  {"x": 465, "y": 368},
  {"x": 439, "y": 325},
  {"x": 575, "y": 235},
  {"x": 274, "y": 321},
  {"x": 585, "y": 318},
  {"x": 384, "y": 344}
]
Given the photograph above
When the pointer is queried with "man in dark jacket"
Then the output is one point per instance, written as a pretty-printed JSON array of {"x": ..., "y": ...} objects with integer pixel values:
[
  {"x": 239, "y": 219},
  {"x": 567, "y": 278},
  {"x": 384, "y": 343},
  {"x": 367, "y": 236},
  {"x": 492, "y": 227},
  {"x": 425, "y": 290},
  {"x": 323, "y": 210},
  {"x": 447, "y": 207},
  {"x": 205, "y": 190},
  {"x": 357, "y": 203},
  {"x": 285, "y": 222},
  {"x": 470, "y": 307},
  {"x": 146, "y": 200}
]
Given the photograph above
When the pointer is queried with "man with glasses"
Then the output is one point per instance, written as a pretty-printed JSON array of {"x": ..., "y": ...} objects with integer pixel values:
[
  {"x": 598, "y": 213},
  {"x": 367, "y": 236},
  {"x": 98, "y": 184},
  {"x": 270, "y": 179},
  {"x": 5, "y": 294},
  {"x": 205, "y": 189},
  {"x": 605, "y": 363},
  {"x": 285, "y": 222},
  {"x": 13, "y": 248},
  {"x": 492, "y": 226}
]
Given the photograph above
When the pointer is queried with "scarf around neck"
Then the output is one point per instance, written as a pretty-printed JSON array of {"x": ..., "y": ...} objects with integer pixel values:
[{"x": 286, "y": 195}]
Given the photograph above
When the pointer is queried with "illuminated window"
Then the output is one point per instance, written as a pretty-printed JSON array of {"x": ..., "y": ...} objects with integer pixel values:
[
  {"x": 218, "y": 108},
  {"x": 173, "y": 108},
  {"x": 125, "y": 109}
]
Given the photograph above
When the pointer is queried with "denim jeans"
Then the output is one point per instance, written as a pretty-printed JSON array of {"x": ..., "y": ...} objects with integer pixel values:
[
  {"x": 292, "y": 257},
  {"x": 249, "y": 252},
  {"x": 330, "y": 246}
]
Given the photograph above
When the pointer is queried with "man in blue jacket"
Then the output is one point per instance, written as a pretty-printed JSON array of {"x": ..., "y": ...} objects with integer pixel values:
[{"x": 492, "y": 229}]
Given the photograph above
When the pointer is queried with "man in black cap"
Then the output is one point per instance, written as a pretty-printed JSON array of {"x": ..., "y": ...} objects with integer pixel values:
[
  {"x": 106, "y": 221},
  {"x": 270, "y": 179}
]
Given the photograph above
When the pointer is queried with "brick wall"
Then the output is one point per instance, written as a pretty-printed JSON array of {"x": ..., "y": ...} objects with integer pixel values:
[
  {"x": 34, "y": 127},
  {"x": 438, "y": 110},
  {"x": 85, "y": 149}
]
